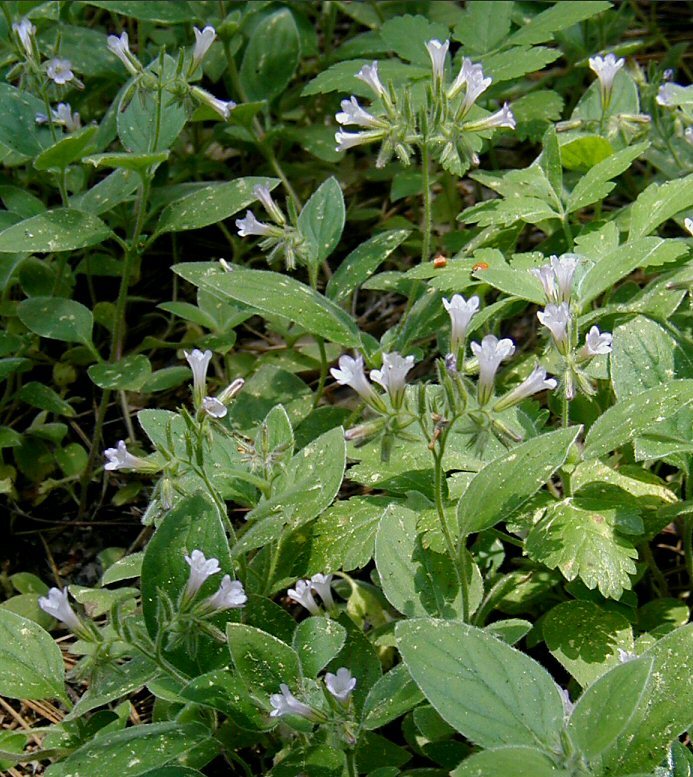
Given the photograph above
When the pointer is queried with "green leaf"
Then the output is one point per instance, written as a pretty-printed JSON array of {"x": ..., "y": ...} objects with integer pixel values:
[
  {"x": 128, "y": 374},
  {"x": 45, "y": 398},
  {"x": 580, "y": 537},
  {"x": 392, "y": 695},
  {"x": 362, "y": 262},
  {"x": 488, "y": 691},
  {"x": 317, "y": 641},
  {"x": 584, "y": 152},
  {"x": 517, "y": 61},
  {"x": 543, "y": 26},
  {"x": 66, "y": 150},
  {"x": 57, "y": 319},
  {"x": 630, "y": 417},
  {"x": 658, "y": 203},
  {"x": 645, "y": 355},
  {"x": 137, "y": 163},
  {"x": 586, "y": 638},
  {"x": 344, "y": 535},
  {"x": 168, "y": 12},
  {"x": 322, "y": 220},
  {"x": 480, "y": 31},
  {"x": 134, "y": 751},
  {"x": 123, "y": 569},
  {"x": 262, "y": 661},
  {"x": 18, "y": 128},
  {"x": 407, "y": 36},
  {"x": 318, "y": 760},
  {"x": 504, "y": 486},
  {"x": 596, "y": 183},
  {"x": 505, "y": 213},
  {"x": 193, "y": 524},
  {"x": 210, "y": 204},
  {"x": 107, "y": 193},
  {"x": 342, "y": 77},
  {"x": 417, "y": 581},
  {"x": 271, "y": 57},
  {"x": 503, "y": 761},
  {"x": 31, "y": 664},
  {"x": 61, "y": 229},
  {"x": 309, "y": 483},
  {"x": 277, "y": 295}
]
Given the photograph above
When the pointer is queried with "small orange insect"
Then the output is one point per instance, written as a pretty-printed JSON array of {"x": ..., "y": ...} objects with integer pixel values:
[
  {"x": 439, "y": 261},
  {"x": 480, "y": 266}
]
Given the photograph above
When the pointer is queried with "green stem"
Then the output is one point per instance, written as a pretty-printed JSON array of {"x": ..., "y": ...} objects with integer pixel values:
[
  {"x": 95, "y": 448},
  {"x": 323, "y": 370},
  {"x": 351, "y": 763},
  {"x": 568, "y": 232},
  {"x": 661, "y": 583},
  {"x": 426, "y": 179},
  {"x": 565, "y": 411},
  {"x": 688, "y": 545}
]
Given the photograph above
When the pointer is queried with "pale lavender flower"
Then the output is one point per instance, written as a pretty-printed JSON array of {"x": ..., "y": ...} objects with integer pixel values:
[
  {"x": 213, "y": 407},
  {"x": 624, "y": 656},
  {"x": 25, "y": 31},
  {"x": 556, "y": 318},
  {"x": 437, "y": 51},
  {"x": 263, "y": 194},
  {"x": 120, "y": 46},
  {"x": 63, "y": 115},
  {"x": 353, "y": 113},
  {"x": 501, "y": 118},
  {"x": 568, "y": 705},
  {"x": 665, "y": 95},
  {"x": 222, "y": 107},
  {"x": 203, "y": 40},
  {"x": 200, "y": 569},
  {"x": 347, "y": 140},
  {"x": 231, "y": 391},
  {"x": 596, "y": 343},
  {"x": 341, "y": 684},
  {"x": 688, "y": 137},
  {"x": 231, "y": 595},
  {"x": 470, "y": 76},
  {"x": 688, "y": 223},
  {"x": 57, "y": 605},
  {"x": 606, "y": 69},
  {"x": 547, "y": 278},
  {"x": 59, "y": 70},
  {"x": 564, "y": 267},
  {"x": 351, "y": 373},
  {"x": 392, "y": 376},
  {"x": 303, "y": 595},
  {"x": 120, "y": 458},
  {"x": 251, "y": 226},
  {"x": 285, "y": 703},
  {"x": 369, "y": 75},
  {"x": 536, "y": 382},
  {"x": 322, "y": 585},
  {"x": 461, "y": 312},
  {"x": 490, "y": 353},
  {"x": 199, "y": 363}
]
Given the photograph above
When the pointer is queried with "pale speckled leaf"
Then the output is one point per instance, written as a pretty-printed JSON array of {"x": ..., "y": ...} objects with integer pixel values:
[
  {"x": 322, "y": 220},
  {"x": 66, "y": 150},
  {"x": 61, "y": 229},
  {"x": 392, "y": 695},
  {"x": 31, "y": 664},
  {"x": 504, "y": 761},
  {"x": 658, "y": 203},
  {"x": 488, "y": 691},
  {"x": 211, "y": 204},
  {"x": 132, "y": 752},
  {"x": 128, "y": 374},
  {"x": 57, "y": 318},
  {"x": 504, "y": 485},
  {"x": 543, "y": 26},
  {"x": 317, "y": 640},
  {"x": 630, "y": 417},
  {"x": 263, "y": 661}
]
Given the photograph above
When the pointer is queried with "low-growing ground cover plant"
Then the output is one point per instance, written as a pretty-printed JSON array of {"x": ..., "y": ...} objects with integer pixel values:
[{"x": 370, "y": 322}]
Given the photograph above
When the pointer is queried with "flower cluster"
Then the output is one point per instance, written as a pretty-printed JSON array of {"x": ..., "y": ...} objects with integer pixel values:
[
  {"x": 392, "y": 377},
  {"x": 303, "y": 593},
  {"x": 216, "y": 407},
  {"x": 449, "y": 131},
  {"x": 229, "y": 595},
  {"x": 340, "y": 686}
]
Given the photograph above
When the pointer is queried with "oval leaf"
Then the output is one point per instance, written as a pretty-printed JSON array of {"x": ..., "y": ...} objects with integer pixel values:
[
  {"x": 129, "y": 374},
  {"x": 57, "y": 319},
  {"x": 62, "y": 229}
]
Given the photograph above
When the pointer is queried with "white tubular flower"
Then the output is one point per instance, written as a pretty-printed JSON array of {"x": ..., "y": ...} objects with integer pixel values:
[
  {"x": 285, "y": 703},
  {"x": 341, "y": 684},
  {"x": 547, "y": 278},
  {"x": 490, "y": 353},
  {"x": 302, "y": 594},
  {"x": 688, "y": 223},
  {"x": 392, "y": 377},
  {"x": 59, "y": 70},
  {"x": 251, "y": 226},
  {"x": 203, "y": 40},
  {"x": 471, "y": 76},
  {"x": 57, "y": 605},
  {"x": 63, "y": 115},
  {"x": 369, "y": 75},
  {"x": 351, "y": 373},
  {"x": 688, "y": 137},
  {"x": 556, "y": 318},
  {"x": 536, "y": 382},
  {"x": 606, "y": 69},
  {"x": 596, "y": 344},
  {"x": 230, "y": 596},
  {"x": 25, "y": 31},
  {"x": 222, "y": 107},
  {"x": 322, "y": 585},
  {"x": 461, "y": 312},
  {"x": 353, "y": 113},
  {"x": 200, "y": 569},
  {"x": 502, "y": 118},
  {"x": 665, "y": 95},
  {"x": 347, "y": 140},
  {"x": 263, "y": 194},
  {"x": 213, "y": 407},
  {"x": 231, "y": 391},
  {"x": 564, "y": 267},
  {"x": 568, "y": 705},
  {"x": 199, "y": 363},
  {"x": 120, "y": 46},
  {"x": 437, "y": 51},
  {"x": 121, "y": 458},
  {"x": 624, "y": 656}
]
